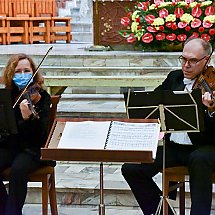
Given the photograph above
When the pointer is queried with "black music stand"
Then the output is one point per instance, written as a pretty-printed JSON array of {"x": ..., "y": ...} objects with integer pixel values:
[
  {"x": 179, "y": 111},
  {"x": 7, "y": 118}
]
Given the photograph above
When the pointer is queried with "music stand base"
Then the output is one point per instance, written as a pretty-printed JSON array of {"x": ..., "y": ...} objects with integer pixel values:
[{"x": 164, "y": 198}]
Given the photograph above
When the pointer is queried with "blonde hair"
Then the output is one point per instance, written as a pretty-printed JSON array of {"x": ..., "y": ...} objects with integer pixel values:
[{"x": 9, "y": 69}]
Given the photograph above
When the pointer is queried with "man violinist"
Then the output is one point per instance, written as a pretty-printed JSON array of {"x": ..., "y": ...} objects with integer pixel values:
[
  {"x": 194, "y": 150},
  {"x": 21, "y": 151}
]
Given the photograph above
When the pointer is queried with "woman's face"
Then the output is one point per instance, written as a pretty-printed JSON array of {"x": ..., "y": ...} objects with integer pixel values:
[{"x": 23, "y": 66}]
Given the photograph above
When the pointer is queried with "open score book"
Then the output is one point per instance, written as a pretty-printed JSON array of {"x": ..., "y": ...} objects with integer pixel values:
[{"x": 113, "y": 135}]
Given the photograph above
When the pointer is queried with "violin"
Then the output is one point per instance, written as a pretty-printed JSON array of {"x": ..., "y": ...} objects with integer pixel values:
[
  {"x": 31, "y": 93},
  {"x": 206, "y": 82},
  {"x": 33, "y": 96}
]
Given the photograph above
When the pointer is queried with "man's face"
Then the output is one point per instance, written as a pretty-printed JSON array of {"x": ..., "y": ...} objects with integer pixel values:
[{"x": 193, "y": 59}]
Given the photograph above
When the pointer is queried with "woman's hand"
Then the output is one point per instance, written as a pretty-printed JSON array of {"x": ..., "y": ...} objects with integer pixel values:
[{"x": 25, "y": 110}]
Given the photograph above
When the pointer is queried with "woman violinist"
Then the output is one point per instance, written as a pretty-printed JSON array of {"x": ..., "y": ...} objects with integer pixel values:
[{"x": 21, "y": 151}]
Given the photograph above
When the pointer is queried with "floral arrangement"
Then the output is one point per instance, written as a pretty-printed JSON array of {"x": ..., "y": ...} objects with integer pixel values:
[{"x": 157, "y": 25}]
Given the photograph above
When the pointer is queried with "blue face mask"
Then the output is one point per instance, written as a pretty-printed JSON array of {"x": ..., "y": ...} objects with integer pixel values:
[{"x": 21, "y": 79}]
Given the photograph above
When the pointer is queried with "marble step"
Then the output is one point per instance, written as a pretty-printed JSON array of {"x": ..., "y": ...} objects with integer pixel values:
[{"x": 78, "y": 184}]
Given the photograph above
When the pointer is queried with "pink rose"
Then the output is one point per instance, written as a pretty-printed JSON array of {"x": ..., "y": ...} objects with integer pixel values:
[
  {"x": 196, "y": 12},
  {"x": 209, "y": 11},
  {"x": 182, "y": 37},
  {"x": 160, "y": 36},
  {"x": 182, "y": 24},
  {"x": 125, "y": 21},
  {"x": 195, "y": 35},
  {"x": 196, "y": 23},
  {"x": 163, "y": 13},
  {"x": 147, "y": 38},
  {"x": 206, "y": 37},
  {"x": 171, "y": 37},
  {"x": 178, "y": 12},
  {"x": 207, "y": 24},
  {"x": 149, "y": 18},
  {"x": 151, "y": 29},
  {"x": 142, "y": 5},
  {"x": 131, "y": 39}
]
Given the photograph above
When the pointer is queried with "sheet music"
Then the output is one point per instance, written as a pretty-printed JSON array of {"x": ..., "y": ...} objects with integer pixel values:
[
  {"x": 134, "y": 136},
  {"x": 84, "y": 135}
]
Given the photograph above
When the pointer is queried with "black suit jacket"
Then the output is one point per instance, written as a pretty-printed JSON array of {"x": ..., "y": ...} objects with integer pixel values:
[{"x": 174, "y": 81}]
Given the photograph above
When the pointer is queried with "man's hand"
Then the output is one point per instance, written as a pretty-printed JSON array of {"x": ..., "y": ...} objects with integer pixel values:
[
  {"x": 25, "y": 110},
  {"x": 207, "y": 100}
]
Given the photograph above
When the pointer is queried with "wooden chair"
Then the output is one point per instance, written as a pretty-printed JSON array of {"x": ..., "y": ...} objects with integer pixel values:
[
  {"x": 180, "y": 175},
  {"x": 45, "y": 173},
  {"x": 60, "y": 26},
  {"x": 3, "y": 31},
  {"x": 61, "y": 29},
  {"x": 5, "y": 8},
  {"x": 39, "y": 29},
  {"x": 17, "y": 24},
  {"x": 22, "y": 8}
]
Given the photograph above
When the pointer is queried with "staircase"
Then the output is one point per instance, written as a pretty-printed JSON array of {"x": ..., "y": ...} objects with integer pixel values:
[{"x": 81, "y": 23}]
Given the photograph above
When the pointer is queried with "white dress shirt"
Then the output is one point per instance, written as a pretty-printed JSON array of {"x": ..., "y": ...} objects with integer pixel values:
[{"x": 182, "y": 137}]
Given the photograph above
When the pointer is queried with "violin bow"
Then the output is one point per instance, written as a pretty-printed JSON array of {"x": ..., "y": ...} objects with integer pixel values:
[{"x": 36, "y": 71}]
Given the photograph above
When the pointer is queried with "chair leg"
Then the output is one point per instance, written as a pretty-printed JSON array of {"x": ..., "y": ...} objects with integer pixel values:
[
  {"x": 45, "y": 190},
  {"x": 182, "y": 199},
  {"x": 52, "y": 195}
]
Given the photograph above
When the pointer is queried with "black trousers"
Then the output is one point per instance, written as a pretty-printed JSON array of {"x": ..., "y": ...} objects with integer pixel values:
[
  {"x": 201, "y": 164},
  {"x": 21, "y": 163}
]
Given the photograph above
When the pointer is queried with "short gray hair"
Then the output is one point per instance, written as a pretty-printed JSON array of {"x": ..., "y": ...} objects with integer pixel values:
[{"x": 205, "y": 44}]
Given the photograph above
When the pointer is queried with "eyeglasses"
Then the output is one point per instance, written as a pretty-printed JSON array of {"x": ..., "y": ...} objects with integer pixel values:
[{"x": 191, "y": 62}]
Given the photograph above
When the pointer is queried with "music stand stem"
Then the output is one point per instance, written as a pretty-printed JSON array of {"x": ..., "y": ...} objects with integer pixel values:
[{"x": 163, "y": 197}]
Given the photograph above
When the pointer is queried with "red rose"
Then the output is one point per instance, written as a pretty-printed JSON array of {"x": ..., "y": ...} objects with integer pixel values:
[
  {"x": 138, "y": 19},
  {"x": 174, "y": 26},
  {"x": 182, "y": 24},
  {"x": 212, "y": 31},
  {"x": 171, "y": 37},
  {"x": 209, "y": 11},
  {"x": 201, "y": 29},
  {"x": 151, "y": 29},
  {"x": 131, "y": 39},
  {"x": 125, "y": 21},
  {"x": 182, "y": 37},
  {"x": 207, "y": 24},
  {"x": 187, "y": 28},
  {"x": 147, "y": 38},
  {"x": 161, "y": 28},
  {"x": 142, "y": 5},
  {"x": 129, "y": 14},
  {"x": 178, "y": 12},
  {"x": 149, "y": 19},
  {"x": 160, "y": 36},
  {"x": 196, "y": 12},
  {"x": 163, "y": 13},
  {"x": 195, "y": 35},
  {"x": 196, "y": 23},
  {"x": 139, "y": 27},
  {"x": 206, "y": 37},
  {"x": 169, "y": 24}
]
